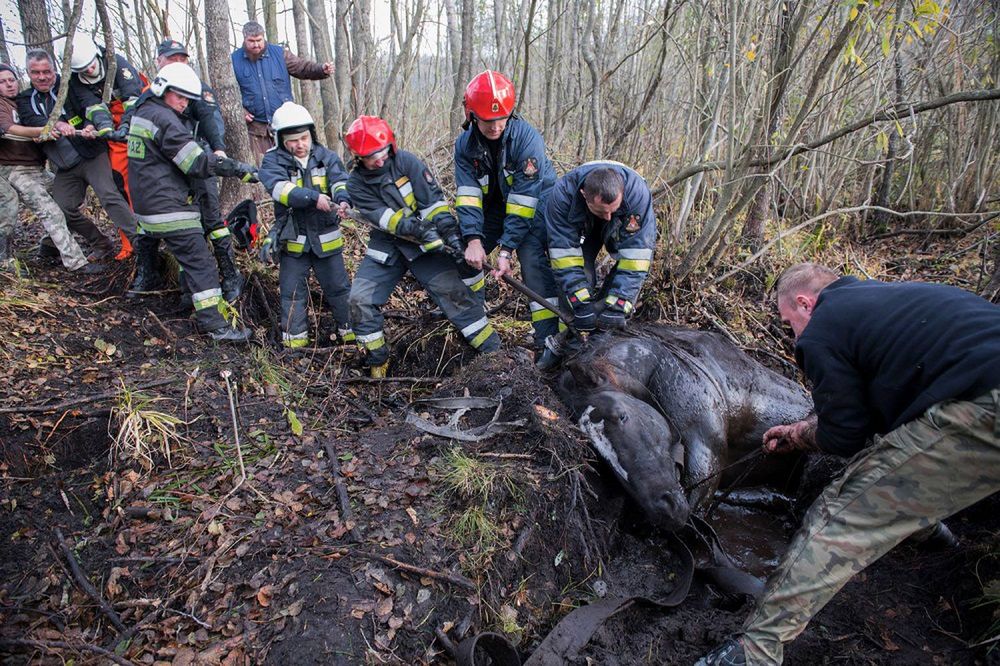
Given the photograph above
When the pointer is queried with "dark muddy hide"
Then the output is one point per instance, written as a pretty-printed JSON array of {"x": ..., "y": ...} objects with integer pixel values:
[{"x": 669, "y": 407}]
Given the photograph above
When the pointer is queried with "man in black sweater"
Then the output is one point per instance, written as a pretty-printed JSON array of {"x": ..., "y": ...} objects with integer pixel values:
[{"x": 914, "y": 366}]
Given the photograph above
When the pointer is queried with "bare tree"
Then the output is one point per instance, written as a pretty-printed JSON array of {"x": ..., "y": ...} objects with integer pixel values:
[
  {"x": 218, "y": 29},
  {"x": 310, "y": 92},
  {"x": 35, "y": 24}
]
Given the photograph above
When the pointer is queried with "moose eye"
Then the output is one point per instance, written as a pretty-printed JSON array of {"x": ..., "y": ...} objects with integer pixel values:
[{"x": 623, "y": 417}]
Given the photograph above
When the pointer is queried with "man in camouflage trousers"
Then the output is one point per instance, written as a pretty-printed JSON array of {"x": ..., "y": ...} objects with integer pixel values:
[
  {"x": 917, "y": 367},
  {"x": 23, "y": 175}
]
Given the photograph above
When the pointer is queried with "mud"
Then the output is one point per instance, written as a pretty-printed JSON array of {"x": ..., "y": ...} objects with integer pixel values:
[{"x": 207, "y": 570}]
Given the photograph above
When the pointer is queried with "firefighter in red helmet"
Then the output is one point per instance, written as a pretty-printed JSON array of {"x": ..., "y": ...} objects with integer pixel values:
[
  {"x": 503, "y": 177},
  {"x": 398, "y": 194}
]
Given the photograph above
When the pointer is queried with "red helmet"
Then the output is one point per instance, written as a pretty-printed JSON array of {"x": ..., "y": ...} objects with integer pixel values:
[
  {"x": 489, "y": 96},
  {"x": 369, "y": 134}
]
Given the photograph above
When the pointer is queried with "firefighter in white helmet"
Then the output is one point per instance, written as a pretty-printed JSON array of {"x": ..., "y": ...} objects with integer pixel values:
[
  {"x": 308, "y": 183},
  {"x": 164, "y": 158}
]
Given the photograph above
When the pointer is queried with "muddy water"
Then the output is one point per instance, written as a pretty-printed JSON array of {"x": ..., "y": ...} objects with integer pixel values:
[{"x": 754, "y": 526}]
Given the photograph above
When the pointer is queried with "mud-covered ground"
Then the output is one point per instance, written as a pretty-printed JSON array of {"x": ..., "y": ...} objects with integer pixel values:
[{"x": 301, "y": 520}]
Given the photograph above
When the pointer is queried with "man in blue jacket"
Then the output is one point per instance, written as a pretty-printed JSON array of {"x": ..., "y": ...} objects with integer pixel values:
[
  {"x": 262, "y": 71},
  {"x": 607, "y": 205},
  {"x": 308, "y": 183},
  {"x": 914, "y": 366},
  {"x": 503, "y": 177}
]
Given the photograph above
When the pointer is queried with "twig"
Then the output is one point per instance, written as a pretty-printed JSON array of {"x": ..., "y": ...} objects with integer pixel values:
[
  {"x": 342, "y": 497},
  {"x": 454, "y": 579},
  {"x": 236, "y": 430},
  {"x": 34, "y": 409},
  {"x": 85, "y": 584},
  {"x": 48, "y": 645},
  {"x": 166, "y": 331},
  {"x": 384, "y": 380}
]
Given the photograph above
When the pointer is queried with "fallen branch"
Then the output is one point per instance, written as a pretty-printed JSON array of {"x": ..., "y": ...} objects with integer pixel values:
[
  {"x": 86, "y": 585},
  {"x": 34, "y": 409},
  {"x": 454, "y": 579},
  {"x": 389, "y": 380},
  {"x": 346, "y": 513},
  {"x": 83, "y": 647}
]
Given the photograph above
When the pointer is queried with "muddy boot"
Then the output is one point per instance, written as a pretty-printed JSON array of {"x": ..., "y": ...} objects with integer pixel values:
[
  {"x": 47, "y": 252},
  {"x": 146, "y": 278},
  {"x": 232, "y": 281},
  {"x": 934, "y": 538},
  {"x": 230, "y": 334},
  {"x": 553, "y": 355},
  {"x": 6, "y": 260},
  {"x": 378, "y": 361},
  {"x": 730, "y": 653}
]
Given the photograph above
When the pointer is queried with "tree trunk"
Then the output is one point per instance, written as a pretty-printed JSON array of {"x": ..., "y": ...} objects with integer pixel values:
[
  {"x": 217, "y": 31},
  {"x": 35, "y": 25},
  {"x": 361, "y": 56},
  {"x": 332, "y": 119},
  {"x": 271, "y": 19},
  {"x": 4, "y": 53},
  {"x": 309, "y": 97},
  {"x": 342, "y": 54},
  {"x": 404, "y": 54},
  {"x": 789, "y": 22}
]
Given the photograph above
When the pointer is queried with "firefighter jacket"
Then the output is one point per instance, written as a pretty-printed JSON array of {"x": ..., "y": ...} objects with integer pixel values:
[
  {"x": 84, "y": 101},
  {"x": 523, "y": 172},
  {"x": 402, "y": 188},
  {"x": 629, "y": 236},
  {"x": 64, "y": 153},
  {"x": 300, "y": 226},
  {"x": 163, "y": 158}
]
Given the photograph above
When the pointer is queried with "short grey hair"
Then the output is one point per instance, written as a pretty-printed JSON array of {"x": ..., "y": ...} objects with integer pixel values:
[
  {"x": 252, "y": 28},
  {"x": 34, "y": 55},
  {"x": 804, "y": 278}
]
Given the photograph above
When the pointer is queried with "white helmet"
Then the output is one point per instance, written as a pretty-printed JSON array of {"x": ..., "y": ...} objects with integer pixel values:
[
  {"x": 180, "y": 78},
  {"x": 84, "y": 52},
  {"x": 290, "y": 115}
]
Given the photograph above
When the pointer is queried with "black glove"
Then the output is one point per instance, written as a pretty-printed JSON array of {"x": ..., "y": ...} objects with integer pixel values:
[
  {"x": 226, "y": 167},
  {"x": 447, "y": 227},
  {"x": 424, "y": 233},
  {"x": 584, "y": 316},
  {"x": 610, "y": 318},
  {"x": 267, "y": 250},
  {"x": 119, "y": 135}
]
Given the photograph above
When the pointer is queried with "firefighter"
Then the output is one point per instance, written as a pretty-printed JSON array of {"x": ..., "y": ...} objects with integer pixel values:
[
  {"x": 85, "y": 105},
  {"x": 598, "y": 205},
  {"x": 308, "y": 183},
  {"x": 398, "y": 194},
  {"x": 164, "y": 159},
  {"x": 503, "y": 178},
  {"x": 207, "y": 119}
]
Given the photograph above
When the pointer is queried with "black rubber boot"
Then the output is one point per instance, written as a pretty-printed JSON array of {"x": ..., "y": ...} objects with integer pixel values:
[
  {"x": 232, "y": 281},
  {"x": 230, "y": 334},
  {"x": 48, "y": 252},
  {"x": 146, "y": 277}
]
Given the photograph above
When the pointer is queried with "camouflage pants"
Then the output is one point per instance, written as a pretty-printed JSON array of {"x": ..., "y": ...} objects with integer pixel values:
[
  {"x": 918, "y": 474},
  {"x": 30, "y": 184}
]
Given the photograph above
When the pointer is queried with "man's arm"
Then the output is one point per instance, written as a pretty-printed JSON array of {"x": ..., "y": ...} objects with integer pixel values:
[
  {"x": 798, "y": 436},
  {"x": 301, "y": 68}
]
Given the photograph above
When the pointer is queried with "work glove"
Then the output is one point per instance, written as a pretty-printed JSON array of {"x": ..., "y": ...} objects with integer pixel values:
[
  {"x": 584, "y": 315},
  {"x": 424, "y": 233},
  {"x": 447, "y": 227},
  {"x": 227, "y": 167},
  {"x": 119, "y": 135},
  {"x": 267, "y": 250},
  {"x": 611, "y": 318}
]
